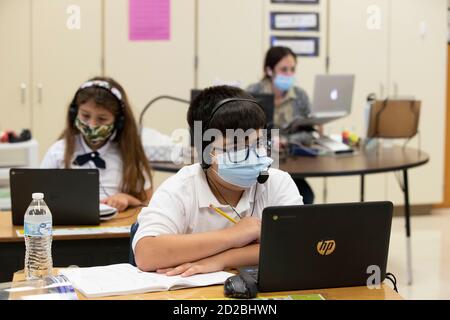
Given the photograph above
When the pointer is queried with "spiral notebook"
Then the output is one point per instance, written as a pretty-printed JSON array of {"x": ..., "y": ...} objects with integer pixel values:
[{"x": 123, "y": 279}]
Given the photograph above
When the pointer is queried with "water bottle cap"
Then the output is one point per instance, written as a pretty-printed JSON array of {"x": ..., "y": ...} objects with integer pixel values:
[{"x": 38, "y": 196}]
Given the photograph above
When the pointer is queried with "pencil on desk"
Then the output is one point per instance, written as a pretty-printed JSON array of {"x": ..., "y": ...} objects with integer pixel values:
[{"x": 223, "y": 214}]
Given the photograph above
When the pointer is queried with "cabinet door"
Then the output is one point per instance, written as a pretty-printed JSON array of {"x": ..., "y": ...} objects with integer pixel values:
[
  {"x": 418, "y": 60},
  {"x": 230, "y": 35},
  {"x": 15, "y": 53},
  {"x": 63, "y": 58},
  {"x": 148, "y": 69},
  {"x": 358, "y": 40}
]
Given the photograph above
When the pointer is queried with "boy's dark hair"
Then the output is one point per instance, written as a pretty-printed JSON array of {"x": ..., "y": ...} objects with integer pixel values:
[
  {"x": 274, "y": 55},
  {"x": 234, "y": 115}
]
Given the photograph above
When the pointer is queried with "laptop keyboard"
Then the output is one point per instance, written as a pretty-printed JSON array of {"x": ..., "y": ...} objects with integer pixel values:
[
  {"x": 329, "y": 114},
  {"x": 332, "y": 145}
]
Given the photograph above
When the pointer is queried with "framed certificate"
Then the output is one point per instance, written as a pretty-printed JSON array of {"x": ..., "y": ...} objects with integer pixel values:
[
  {"x": 299, "y": 21},
  {"x": 296, "y": 1},
  {"x": 301, "y": 46}
]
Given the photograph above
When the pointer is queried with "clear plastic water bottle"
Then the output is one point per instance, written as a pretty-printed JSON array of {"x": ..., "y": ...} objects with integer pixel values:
[{"x": 38, "y": 239}]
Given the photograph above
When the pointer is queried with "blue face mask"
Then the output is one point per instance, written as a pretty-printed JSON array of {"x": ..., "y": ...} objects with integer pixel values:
[
  {"x": 283, "y": 83},
  {"x": 242, "y": 174}
]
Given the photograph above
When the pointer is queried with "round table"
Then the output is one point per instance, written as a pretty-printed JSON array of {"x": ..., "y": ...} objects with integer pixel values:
[{"x": 362, "y": 162}]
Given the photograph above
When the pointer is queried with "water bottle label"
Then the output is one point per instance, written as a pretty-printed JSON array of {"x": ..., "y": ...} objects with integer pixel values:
[{"x": 38, "y": 229}]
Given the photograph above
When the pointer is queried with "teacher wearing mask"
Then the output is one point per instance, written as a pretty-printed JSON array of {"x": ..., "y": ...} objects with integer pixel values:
[{"x": 291, "y": 101}]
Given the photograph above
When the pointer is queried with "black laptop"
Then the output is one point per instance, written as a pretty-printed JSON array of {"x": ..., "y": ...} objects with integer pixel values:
[
  {"x": 322, "y": 246},
  {"x": 72, "y": 195}
]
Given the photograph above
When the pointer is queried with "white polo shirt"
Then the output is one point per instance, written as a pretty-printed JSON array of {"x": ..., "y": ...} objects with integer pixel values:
[
  {"x": 181, "y": 204},
  {"x": 110, "y": 177}
]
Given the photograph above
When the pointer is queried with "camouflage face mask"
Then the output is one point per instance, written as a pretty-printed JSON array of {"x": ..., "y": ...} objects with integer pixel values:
[{"x": 94, "y": 135}]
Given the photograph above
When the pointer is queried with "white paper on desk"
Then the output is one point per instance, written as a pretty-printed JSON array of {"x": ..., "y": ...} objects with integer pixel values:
[{"x": 123, "y": 279}]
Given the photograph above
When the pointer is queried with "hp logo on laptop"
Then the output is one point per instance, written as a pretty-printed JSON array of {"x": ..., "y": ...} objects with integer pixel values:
[{"x": 326, "y": 247}]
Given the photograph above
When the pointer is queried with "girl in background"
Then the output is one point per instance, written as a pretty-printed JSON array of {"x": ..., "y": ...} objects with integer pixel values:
[{"x": 101, "y": 133}]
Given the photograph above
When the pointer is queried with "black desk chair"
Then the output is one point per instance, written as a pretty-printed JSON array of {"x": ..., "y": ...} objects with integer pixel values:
[{"x": 133, "y": 230}]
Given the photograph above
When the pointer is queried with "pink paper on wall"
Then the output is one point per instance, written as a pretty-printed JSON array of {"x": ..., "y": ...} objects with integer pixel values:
[{"x": 149, "y": 20}]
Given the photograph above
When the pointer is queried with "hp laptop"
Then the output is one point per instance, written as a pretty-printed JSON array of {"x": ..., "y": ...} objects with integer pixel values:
[
  {"x": 323, "y": 246},
  {"x": 72, "y": 195},
  {"x": 332, "y": 99}
]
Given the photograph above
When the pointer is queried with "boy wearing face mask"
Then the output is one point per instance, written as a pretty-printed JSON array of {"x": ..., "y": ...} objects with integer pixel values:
[
  {"x": 291, "y": 101},
  {"x": 101, "y": 134},
  {"x": 180, "y": 232}
]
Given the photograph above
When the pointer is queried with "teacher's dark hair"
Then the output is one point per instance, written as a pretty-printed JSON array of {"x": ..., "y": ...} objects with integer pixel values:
[{"x": 273, "y": 56}]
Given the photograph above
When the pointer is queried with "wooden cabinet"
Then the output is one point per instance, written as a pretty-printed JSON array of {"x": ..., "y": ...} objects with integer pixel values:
[
  {"x": 418, "y": 57},
  {"x": 15, "y": 66},
  {"x": 403, "y": 55},
  {"x": 359, "y": 46},
  {"x": 230, "y": 41},
  {"x": 43, "y": 62},
  {"x": 63, "y": 58},
  {"x": 148, "y": 69}
]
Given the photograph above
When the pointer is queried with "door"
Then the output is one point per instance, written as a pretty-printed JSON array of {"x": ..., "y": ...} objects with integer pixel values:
[
  {"x": 63, "y": 58},
  {"x": 148, "y": 69},
  {"x": 418, "y": 50},
  {"x": 230, "y": 42},
  {"x": 15, "y": 55},
  {"x": 446, "y": 200},
  {"x": 358, "y": 39}
]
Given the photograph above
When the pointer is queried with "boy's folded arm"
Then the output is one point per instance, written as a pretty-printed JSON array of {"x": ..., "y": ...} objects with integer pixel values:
[
  {"x": 165, "y": 251},
  {"x": 232, "y": 258},
  {"x": 238, "y": 257}
]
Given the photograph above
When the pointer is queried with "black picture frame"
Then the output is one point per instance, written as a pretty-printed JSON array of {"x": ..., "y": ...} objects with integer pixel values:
[
  {"x": 276, "y": 13},
  {"x": 302, "y": 2},
  {"x": 316, "y": 41}
]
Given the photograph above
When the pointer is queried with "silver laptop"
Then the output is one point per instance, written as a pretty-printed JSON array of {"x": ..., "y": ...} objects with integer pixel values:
[{"x": 332, "y": 99}]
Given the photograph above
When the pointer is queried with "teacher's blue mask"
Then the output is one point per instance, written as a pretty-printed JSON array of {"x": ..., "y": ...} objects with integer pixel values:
[
  {"x": 242, "y": 174},
  {"x": 283, "y": 83}
]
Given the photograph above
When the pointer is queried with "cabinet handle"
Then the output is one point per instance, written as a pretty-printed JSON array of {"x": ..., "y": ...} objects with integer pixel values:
[
  {"x": 381, "y": 91},
  {"x": 40, "y": 87},
  {"x": 23, "y": 93},
  {"x": 395, "y": 89}
]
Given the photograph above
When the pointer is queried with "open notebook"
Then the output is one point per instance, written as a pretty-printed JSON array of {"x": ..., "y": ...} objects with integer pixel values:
[{"x": 123, "y": 279}]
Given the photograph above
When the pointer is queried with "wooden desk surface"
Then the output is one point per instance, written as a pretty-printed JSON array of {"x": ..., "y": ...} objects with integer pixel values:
[
  {"x": 8, "y": 232},
  {"x": 216, "y": 292},
  {"x": 383, "y": 159}
]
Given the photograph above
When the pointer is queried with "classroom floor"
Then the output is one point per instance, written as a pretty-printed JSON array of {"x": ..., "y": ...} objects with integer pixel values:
[{"x": 430, "y": 255}]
